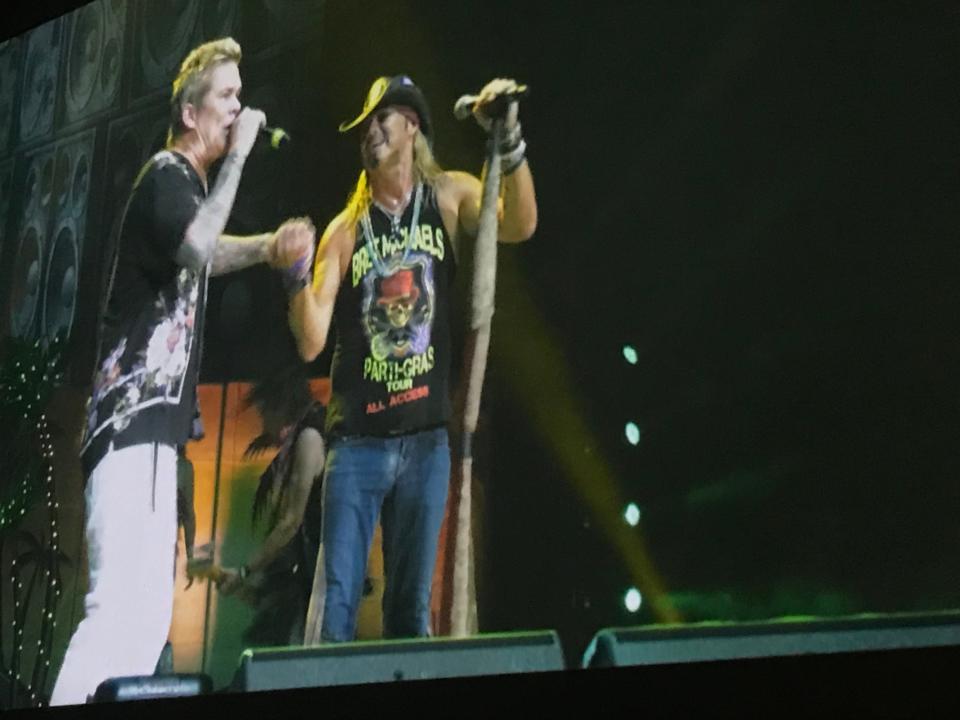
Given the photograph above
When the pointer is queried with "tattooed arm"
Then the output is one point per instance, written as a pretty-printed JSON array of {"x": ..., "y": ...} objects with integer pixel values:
[
  {"x": 204, "y": 241},
  {"x": 235, "y": 253},
  {"x": 200, "y": 242},
  {"x": 296, "y": 236}
]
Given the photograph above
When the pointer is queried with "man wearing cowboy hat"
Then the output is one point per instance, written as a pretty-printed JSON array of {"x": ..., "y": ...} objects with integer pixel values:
[{"x": 384, "y": 269}]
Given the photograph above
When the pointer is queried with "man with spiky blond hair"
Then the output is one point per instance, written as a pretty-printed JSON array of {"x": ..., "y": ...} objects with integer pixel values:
[{"x": 144, "y": 387}]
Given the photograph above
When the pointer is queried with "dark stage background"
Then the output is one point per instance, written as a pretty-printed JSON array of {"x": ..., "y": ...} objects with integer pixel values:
[{"x": 761, "y": 199}]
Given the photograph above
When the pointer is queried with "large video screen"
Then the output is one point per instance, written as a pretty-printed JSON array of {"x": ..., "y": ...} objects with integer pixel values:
[{"x": 688, "y": 362}]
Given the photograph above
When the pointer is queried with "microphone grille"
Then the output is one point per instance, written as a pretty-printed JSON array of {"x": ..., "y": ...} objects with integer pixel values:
[{"x": 278, "y": 137}]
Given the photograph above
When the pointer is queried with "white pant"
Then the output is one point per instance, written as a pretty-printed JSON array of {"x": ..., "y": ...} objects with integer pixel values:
[{"x": 131, "y": 534}]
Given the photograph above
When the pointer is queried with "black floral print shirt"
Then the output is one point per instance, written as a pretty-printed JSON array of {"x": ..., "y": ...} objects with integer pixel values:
[{"x": 144, "y": 387}]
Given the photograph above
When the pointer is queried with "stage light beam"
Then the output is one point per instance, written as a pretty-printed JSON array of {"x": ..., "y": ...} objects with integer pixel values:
[{"x": 552, "y": 406}]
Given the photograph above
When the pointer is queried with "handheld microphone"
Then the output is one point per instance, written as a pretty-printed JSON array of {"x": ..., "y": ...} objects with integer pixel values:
[
  {"x": 464, "y": 106},
  {"x": 276, "y": 136}
]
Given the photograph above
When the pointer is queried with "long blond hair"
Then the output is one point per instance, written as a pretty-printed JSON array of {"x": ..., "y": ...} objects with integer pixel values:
[{"x": 425, "y": 169}]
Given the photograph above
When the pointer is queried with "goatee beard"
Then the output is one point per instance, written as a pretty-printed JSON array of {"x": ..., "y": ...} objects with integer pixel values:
[{"x": 370, "y": 162}]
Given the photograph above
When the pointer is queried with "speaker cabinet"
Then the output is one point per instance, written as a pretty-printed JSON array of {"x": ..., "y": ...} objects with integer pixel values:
[
  {"x": 32, "y": 243},
  {"x": 94, "y": 58},
  {"x": 40, "y": 73},
  {"x": 52, "y": 227},
  {"x": 166, "y": 31},
  {"x": 389, "y": 661},
  {"x": 72, "y": 172},
  {"x": 9, "y": 76},
  {"x": 271, "y": 26},
  {"x": 6, "y": 187},
  {"x": 217, "y": 19},
  {"x": 163, "y": 35},
  {"x": 702, "y": 642}
]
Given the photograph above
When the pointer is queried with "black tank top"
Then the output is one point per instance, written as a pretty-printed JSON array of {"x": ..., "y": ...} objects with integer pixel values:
[{"x": 391, "y": 362}]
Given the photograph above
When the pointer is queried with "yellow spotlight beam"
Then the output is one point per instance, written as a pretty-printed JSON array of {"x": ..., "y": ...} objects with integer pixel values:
[{"x": 540, "y": 380}]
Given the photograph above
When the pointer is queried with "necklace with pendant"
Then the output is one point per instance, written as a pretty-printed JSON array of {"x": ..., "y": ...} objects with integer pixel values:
[{"x": 395, "y": 230}]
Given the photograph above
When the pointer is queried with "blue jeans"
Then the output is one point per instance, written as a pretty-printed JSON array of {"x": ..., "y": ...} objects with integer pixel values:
[{"x": 406, "y": 478}]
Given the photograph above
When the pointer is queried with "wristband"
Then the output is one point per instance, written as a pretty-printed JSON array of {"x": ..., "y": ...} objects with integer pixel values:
[
  {"x": 510, "y": 162},
  {"x": 509, "y": 142},
  {"x": 293, "y": 285},
  {"x": 511, "y": 139},
  {"x": 296, "y": 277}
]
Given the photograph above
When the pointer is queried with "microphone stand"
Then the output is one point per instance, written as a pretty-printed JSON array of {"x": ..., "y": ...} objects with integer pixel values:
[{"x": 475, "y": 357}]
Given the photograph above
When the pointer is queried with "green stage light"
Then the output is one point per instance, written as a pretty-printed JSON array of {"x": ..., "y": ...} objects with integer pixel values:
[
  {"x": 630, "y": 354},
  {"x": 632, "y": 432},
  {"x": 632, "y": 514}
]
